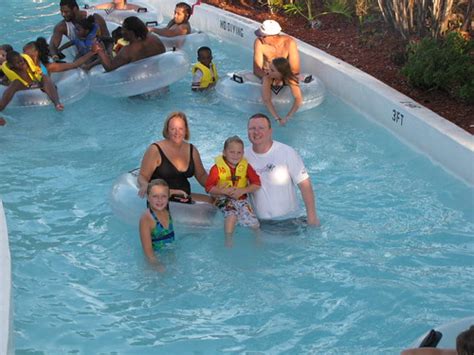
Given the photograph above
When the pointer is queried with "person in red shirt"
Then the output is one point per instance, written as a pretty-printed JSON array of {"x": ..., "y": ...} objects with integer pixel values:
[{"x": 230, "y": 180}]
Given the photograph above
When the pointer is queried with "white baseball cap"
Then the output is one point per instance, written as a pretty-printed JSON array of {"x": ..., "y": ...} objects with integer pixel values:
[{"x": 268, "y": 28}]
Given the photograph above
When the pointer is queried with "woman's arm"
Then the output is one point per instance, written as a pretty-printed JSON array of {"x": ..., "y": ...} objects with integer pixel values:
[
  {"x": 60, "y": 67},
  {"x": 267, "y": 97},
  {"x": 151, "y": 159},
  {"x": 298, "y": 99},
  {"x": 199, "y": 171}
]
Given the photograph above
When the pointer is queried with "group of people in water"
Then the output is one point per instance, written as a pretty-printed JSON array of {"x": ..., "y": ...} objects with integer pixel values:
[
  {"x": 261, "y": 178},
  {"x": 276, "y": 59}
]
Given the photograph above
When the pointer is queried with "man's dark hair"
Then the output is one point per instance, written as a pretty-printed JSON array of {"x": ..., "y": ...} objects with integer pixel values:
[
  {"x": 69, "y": 3},
  {"x": 135, "y": 25}
]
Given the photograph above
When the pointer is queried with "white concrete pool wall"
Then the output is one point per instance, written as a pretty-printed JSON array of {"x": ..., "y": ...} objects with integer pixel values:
[
  {"x": 6, "y": 309},
  {"x": 443, "y": 142}
]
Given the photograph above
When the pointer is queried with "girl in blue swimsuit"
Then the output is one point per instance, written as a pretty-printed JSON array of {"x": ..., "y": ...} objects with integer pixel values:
[{"x": 156, "y": 224}]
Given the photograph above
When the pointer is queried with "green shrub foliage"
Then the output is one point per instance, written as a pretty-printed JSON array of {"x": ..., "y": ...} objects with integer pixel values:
[{"x": 446, "y": 64}]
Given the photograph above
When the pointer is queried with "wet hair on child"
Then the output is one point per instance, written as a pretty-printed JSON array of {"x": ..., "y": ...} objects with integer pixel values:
[{"x": 156, "y": 182}]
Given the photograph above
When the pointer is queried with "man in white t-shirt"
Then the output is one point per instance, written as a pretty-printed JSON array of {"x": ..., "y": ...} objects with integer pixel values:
[{"x": 280, "y": 168}]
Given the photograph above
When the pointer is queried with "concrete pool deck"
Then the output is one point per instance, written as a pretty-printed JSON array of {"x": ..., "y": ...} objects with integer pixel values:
[{"x": 441, "y": 141}]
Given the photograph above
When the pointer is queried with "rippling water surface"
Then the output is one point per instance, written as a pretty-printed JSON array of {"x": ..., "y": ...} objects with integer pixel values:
[{"x": 394, "y": 255}]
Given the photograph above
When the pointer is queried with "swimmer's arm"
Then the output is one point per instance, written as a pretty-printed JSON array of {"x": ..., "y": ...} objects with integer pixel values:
[
  {"x": 60, "y": 67},
  {"x": 298, "y": 99},
  {"x": 294, "y": 57},
  {"x": 258, "y": 59},
  {"x": 58, "y": 33},
  {"x": 309, "y": 200},
  {"x": 108, "y": 63},
  {"x": 267, "y": 97},
  {"x": 145, "y": 238},
  {"x": 168, "y": 32},
  {"x": 151, "y": 159},
  {"x": 199, "y": 171},
  {"x": 66, "y": 45},
  {"x": 196, "y": 84}
]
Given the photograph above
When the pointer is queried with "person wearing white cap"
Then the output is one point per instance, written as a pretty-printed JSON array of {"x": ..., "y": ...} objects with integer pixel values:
[{"x": 270, "y": 44}]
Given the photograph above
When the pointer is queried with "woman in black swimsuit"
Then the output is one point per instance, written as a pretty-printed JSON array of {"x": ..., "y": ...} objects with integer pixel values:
[
  {"x": 174, "y": 160},
  {"x": 279, "y": 75}
]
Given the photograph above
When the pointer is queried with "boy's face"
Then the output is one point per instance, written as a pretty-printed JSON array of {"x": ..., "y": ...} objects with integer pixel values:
[
  {"x": 205, "y": 57},
  {"x": 179, "y": 15},
  {"x": 234, "y": 153},
  {"x": 18, "y": 63},
  {"x": 3, "y": 56}
]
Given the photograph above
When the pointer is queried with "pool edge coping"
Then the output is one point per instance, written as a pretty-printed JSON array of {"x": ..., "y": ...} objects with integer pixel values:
[{"x": 6, "y": 303}]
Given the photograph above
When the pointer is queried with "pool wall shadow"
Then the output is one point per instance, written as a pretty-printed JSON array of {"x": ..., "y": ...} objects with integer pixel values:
[
  {"x": 446, "y": 144},
  {"x": 6, "y": 305}
]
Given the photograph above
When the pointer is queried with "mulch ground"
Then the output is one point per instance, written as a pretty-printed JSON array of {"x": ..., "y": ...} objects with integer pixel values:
[{"x": 372, "y": 47}]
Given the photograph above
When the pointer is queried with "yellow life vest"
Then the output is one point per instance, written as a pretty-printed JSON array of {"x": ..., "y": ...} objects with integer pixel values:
[
  {"x": 225, "y": 176},
  {"x": 34, "y": 71},
  {"x": 207, "y": 77}
]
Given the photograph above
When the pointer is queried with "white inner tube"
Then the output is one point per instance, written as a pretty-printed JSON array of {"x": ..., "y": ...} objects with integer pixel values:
[
  {"x": 72, "y": 85},
  {"x": 128, "y": 206},
  {"x": 243, "y": 91},
  {"x": 148, "y": 14},
  {"x": 188, "y": 43},
  {"x": 450, "y": 332},
  {"x": 140, "y": 77}
]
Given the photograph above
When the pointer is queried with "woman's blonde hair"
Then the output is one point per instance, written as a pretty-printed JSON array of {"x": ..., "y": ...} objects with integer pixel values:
[
  {"x": 167, "y": 124},
  {"x": 283, "y": 66}
]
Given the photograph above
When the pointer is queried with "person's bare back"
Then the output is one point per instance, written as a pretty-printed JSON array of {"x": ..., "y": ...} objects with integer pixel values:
[{"x": 148, "y": 47}]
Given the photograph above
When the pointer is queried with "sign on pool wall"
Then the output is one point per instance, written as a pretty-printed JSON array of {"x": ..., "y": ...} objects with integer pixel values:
[{"x": 232, "y": 28}]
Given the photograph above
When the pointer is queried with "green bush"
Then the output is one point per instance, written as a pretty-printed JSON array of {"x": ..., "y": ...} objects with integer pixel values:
[{"x": 445, "y": 64}]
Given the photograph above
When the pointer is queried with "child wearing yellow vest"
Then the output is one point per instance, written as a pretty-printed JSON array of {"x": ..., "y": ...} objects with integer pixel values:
[
  {"x": 24, "y": 74},
  {"x": 204, "y": 71},
  {"x": 231, "y": 179}
]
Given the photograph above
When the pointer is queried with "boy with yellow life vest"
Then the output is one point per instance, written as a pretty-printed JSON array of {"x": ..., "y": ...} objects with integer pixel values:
[
  {"x": 231, "y": 179},
  {"x": 204, "y": 71},
  {"x": 24, "y": 74}
]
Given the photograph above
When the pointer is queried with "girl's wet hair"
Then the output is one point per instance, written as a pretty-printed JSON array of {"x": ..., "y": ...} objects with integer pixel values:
[
  {"x": 156, "y": 182},
  {"x": 87, "y": 23},
  {"x": 283, "y": 67},
  {"x": 41, "y": 45},
  {"x": 233, "y": 139},
  {"x": 172, "y": 115}
]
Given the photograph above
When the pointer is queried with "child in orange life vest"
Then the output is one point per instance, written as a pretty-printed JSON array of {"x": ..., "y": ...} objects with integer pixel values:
[
  {"x": 204, "y": 71},
  {"x": 231, "y": 179}
]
